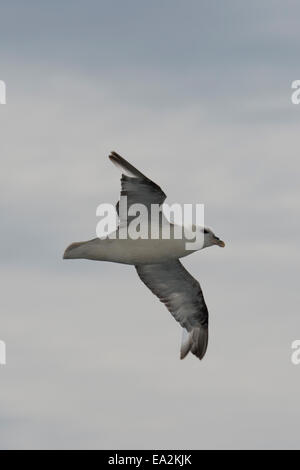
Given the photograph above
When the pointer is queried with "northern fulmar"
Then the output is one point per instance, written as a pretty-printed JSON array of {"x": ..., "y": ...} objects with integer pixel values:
[{"x": 156, "y": 259}]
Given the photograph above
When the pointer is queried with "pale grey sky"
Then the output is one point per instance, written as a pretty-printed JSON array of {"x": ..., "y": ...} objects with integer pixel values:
[{"x": 196, "y": 94}]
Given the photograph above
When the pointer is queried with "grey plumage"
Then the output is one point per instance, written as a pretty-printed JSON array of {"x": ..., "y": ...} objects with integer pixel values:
[
  {"x": 136, "y": 187},
  {"x": 183, "y": 297}
]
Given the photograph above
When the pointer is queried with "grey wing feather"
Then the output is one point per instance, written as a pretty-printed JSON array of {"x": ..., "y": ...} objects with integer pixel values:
[
  {"x": 183, "y": 297},
  {"x": 137, "y": 187},
  {"x": 120, "y": 162}
]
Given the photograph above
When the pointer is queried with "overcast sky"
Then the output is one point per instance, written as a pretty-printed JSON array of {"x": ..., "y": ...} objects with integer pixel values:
[{"x": 197, "y": 95}]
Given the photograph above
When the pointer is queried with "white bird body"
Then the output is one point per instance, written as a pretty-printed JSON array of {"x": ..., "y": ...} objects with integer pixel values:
[{"x": 128, "y": 251}]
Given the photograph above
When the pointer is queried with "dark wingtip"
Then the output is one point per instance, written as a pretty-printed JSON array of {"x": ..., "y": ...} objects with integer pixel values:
[
  {"x": 199, "y": 341},
  {"x": 125, "y": 165},
  {"x": 114, "y": 156}
]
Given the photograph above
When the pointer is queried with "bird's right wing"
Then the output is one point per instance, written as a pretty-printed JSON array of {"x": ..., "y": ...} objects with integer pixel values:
[{"x": 182, "y": 295}]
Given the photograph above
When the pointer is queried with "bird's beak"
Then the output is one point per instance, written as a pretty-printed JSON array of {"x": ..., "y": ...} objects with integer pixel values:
[{"x": 220, "y": 243}]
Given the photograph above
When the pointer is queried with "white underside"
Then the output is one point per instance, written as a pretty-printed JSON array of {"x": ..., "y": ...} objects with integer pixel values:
[{"x": 129, "y": 251}]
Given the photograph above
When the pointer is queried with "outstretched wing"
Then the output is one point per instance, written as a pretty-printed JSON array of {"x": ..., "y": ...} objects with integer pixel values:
[
  {"x": 137, "y": 187},
  {"x": 182, "y": 295}
]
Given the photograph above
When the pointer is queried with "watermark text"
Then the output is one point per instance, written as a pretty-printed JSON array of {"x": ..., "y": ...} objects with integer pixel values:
[
  {"x": 2, "y": 353},
  {"x": 2, "y": 92}
]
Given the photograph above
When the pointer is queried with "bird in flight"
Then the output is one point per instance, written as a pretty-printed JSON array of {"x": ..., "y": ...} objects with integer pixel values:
[{"x": 156, "y": 259}]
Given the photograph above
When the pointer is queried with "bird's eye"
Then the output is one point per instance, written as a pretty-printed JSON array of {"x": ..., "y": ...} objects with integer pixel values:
[{"x": 205, "y": 231}]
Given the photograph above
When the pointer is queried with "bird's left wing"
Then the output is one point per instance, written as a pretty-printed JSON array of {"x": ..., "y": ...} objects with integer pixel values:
[
  {"x": 137, "y": 187},
  {"x": 182, "y": 295}
]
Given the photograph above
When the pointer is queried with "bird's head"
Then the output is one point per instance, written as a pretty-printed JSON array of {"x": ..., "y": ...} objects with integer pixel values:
[{"x": 210, "y": 238}]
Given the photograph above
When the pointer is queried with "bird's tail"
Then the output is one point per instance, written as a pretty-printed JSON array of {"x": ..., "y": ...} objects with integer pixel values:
[{"x": 195, "y": 341}]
